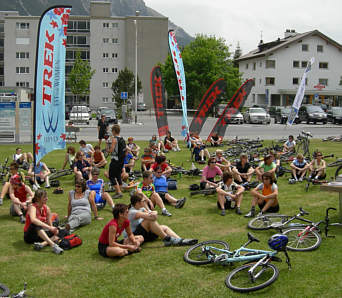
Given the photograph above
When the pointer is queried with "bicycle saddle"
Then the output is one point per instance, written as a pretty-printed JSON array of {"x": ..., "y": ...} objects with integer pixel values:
[{"x": 252, "y": 238}]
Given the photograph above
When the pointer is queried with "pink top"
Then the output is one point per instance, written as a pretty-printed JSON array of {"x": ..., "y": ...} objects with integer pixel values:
[{"x": 210, "y": 172}]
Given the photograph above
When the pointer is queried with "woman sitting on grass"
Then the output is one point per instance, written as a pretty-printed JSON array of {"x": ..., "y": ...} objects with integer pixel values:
[
  {"x": 79, "y": 211},
  {"x": 108, "y": 245},
  {"x": 144, "y": 223},
  {"x": 38, "y": 228},
  {"x": 317, "y": 167},
  {"x": 209, "y": 173},
  {"x": 82, "y": 167},
  {"x": 69, "y": 157}
]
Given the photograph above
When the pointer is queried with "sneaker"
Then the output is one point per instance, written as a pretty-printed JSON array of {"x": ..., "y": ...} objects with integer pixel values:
[
  {"x": 189, "y": 241},
  {"x": 124, "y": 185},
  {"x": 57, "y": 250},
  {"x": 300, "y": 179},
  {"x": 34, "y": 187},
  {"x": 260, "y": 214},
  {"x": 238, "y": 211},
  {"x": 166, "y": 213},
  {"x": 47, "y": 186},
  {"x": 250, "y": 214},
  {"x": 38, "y": 246},
  {"x": 1, "y": 201},
  {"x": 22, "y": 219},
  {"x": 173, "y": 241},
  {"x": 117, "y": 196},
  {"x": 223, "y": 212},
  {"x": 180, "y": 203}
]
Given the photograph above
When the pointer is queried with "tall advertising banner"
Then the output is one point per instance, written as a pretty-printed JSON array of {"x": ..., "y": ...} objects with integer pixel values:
[
  {"x": 179, "y": 69},
  {"x": 159, "y": 100},
  {"x": 233, "y": 107},
  {"x": 215, "y": 90},
  {"x": 49, "y": 108},
  {"x": 299, "y": 95}
]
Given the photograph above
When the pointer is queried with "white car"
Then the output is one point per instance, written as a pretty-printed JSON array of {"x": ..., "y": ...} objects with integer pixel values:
[
  {"x": 79, "y": 114},
  {"x": 257, "y": 115}
]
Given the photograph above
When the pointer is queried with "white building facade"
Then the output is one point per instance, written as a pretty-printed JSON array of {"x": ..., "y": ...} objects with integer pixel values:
[
  {"x": 107, "y": 42},
  {"x": 278, "y": 66}
]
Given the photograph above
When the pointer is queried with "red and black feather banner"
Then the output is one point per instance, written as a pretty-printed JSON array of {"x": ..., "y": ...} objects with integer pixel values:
[
  {"x": 233, "y": 107},
  {"x": 214, "y": 91},
  {"x": 159, "y": 100}
]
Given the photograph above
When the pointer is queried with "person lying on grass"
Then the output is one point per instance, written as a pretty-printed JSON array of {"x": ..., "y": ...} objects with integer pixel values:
[
  {"x": 144, "y": 223},
  {"x": 80, "y": 205},
  {"x": 161, "y": 185},
  {"x": 108, "y": 245},
  {"x": 209, "y": 173},
  {"x": 267, "y": 199},
  {"x": 225, "y": 194},
  {"x": 21, "y": 196},
  {"x": 38, "y": 229},
  {"x": 148, "y": 191}
]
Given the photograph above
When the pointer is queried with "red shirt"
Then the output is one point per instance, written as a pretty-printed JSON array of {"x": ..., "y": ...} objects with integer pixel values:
[
  {"x": 41, "y": 214},
  {"x": 163, "y": 166},
  {"x": 104, "y": 237},
  {"x": 21, "y": 193},
  {"x": 97, "y": 156}
]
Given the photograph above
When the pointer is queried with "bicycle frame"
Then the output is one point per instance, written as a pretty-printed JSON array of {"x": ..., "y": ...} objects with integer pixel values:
[{"x": 265, "y": 260}]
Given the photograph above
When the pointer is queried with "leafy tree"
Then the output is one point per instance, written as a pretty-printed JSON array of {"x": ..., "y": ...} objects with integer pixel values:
[
  {"x": 237, "y": 54},
  {"x": 124, "y": 83},
  {"x": 205, "y": 60},
  {"x": 80, "y": 76}
]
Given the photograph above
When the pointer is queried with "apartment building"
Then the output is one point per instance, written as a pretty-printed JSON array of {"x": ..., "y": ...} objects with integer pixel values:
[
  {"x": 277, "y": 68},
  {"x": 107, "y": 42}
]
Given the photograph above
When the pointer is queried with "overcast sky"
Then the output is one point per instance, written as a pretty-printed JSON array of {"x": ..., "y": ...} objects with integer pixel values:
[{"x": 243, "y": 20}]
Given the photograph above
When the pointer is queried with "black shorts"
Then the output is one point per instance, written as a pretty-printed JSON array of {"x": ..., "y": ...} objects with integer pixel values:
[
  {"x": 227, "y": 205},
  {"x": 102, "y": 248},
  {"x": 272, "y": 209},
  {"x": 115, "y": 169},
  {"x": 162, "y": 196},
  {"x": 148, "y": 236},
  {"x": 102, "y": 135},
  {"x": 31, "y": 235},
  {"x": 39, "y": 180},
  {"x": 203, "y": 184}
]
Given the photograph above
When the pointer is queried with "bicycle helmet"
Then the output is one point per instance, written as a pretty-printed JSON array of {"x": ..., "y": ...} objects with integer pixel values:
[
  {"x": 15, "y": 179},
  {"x": 278, "y": 242}
]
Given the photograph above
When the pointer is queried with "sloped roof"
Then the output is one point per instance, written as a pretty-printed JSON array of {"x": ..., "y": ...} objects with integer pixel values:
[{"x": 270, "y": 47}]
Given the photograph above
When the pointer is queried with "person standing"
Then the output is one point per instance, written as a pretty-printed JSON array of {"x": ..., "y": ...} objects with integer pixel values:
[{"x": 102, "y": 126}]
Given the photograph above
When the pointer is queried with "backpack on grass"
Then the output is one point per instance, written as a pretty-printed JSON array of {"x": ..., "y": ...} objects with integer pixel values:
[{"x": 70, "y": 241}]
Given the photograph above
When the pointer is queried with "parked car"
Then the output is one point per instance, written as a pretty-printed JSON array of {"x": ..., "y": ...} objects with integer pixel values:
[
  {"x": 99, "y": 112},
  {"x": 141, "y": 106},
  {"x": 256, "y": 115},
  {"x": 312, "y": 113},
  {"x": 282, "y": 114},
  {"x": 110, "y": 115},
  {"x": 79, "y": 114},
  {"x": 335, "y": 115}
]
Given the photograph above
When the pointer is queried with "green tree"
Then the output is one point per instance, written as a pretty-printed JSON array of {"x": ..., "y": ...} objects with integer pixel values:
[
  {"x": 124, "y": 83},
  {"x": 205, "y": 60},
  {"x": 80, "y": 76}
]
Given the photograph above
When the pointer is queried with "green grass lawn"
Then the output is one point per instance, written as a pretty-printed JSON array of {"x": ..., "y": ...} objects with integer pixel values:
[{"x": 160, "y": 271}]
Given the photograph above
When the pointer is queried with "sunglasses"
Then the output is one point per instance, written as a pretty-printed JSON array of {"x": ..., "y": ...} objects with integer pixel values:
[{"x": 159, "y": 172}]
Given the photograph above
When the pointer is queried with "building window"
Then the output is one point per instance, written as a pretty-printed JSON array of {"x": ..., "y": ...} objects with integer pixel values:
[
  {"x": 115, "y": 40},
  {"x": 254, "y": 66},
  {"x": 114, "y": 55},
  {"x": 304, "y": 64},
  {"x": 105, "y": 55},
  {"x": 270, "y": 63},
  {"x": 22, "y": 26},
  {"x": 105, "y": 69},
  {"x": 2, "y": 42},
  {"x": 1, "y": 71},
  {"x": 105, "y": 99},
  {"x": 295, "y": 64},
  {"x": 323, "y": 82},
  {"x": 270, "y": 81},
  {"x": 253, "y": 98},
  {"x": 323, "y": 65},
  {"x": 305, "y": 47},
  {"x": 115, "y": 25},
  {"x": 246, "y": 65},
  {"x": 105, "y": 84},
  {"x": 295, "y": 81},
  {"x": 340, "y": 81},
  {"x": 2, "y": 83},
  {"x": 319, "y": 49},
  {"x": 114, "y": 69},
  {"x": 22, "y": 55},
  {"x": 20, "y": 70},
  {"x": 23, "y": 84},
  {"x": 253, "y": 82},
  {"x": 106, "y": 40},
  {"x": 105, "y": 25}
]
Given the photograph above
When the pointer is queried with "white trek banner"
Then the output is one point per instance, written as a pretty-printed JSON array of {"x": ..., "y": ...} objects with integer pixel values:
[{"x": 300, "y": 94}]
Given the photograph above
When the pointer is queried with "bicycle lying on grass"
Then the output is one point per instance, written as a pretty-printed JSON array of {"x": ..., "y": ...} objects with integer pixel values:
[
  {"x": 5, "y": 292},
  {"x": 60, "y": 173},
  {"x": 302, "y": 236},
  {"x": 337, "y": 163},
  {"x": 257, "y": 274}
]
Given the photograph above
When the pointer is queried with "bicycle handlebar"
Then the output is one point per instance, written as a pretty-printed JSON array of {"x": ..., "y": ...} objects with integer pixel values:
[
  {"x": 306, "y": 133},
  {"x": 303, "y": 212}
]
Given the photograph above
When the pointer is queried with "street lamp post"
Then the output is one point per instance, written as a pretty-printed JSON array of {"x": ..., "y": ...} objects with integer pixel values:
[{"x": 137, "y": 13}]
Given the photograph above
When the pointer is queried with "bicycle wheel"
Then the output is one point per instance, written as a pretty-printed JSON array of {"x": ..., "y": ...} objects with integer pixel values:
[
  {"x": 195, "y": 255},
  {"x": 299, "y": 240},
  {"x": 240, "y": 281},
  {"x": 4, "y": 291},
  {"x": 338, "y": 172},
  {"x": 264, "y": 222},
  {"x": 60, "y": 173}
]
